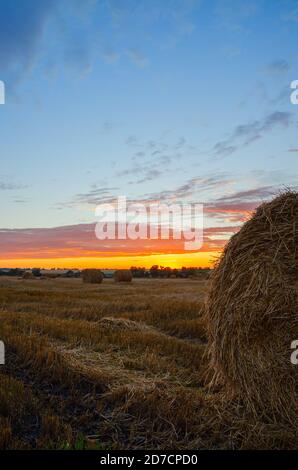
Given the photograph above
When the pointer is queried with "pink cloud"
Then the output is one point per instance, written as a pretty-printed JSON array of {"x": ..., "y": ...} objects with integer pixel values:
[{"x": 80, "y": 241}]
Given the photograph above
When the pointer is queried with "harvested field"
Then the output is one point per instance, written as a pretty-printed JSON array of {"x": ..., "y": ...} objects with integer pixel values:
[{"x": 116, "y": 366}]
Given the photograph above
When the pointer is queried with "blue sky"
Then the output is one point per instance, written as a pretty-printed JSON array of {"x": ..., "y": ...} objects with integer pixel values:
[{"x": 169, "y": 100}]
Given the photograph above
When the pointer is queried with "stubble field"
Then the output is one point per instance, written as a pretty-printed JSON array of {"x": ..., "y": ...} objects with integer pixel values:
[{"x": 115, "y": 366}]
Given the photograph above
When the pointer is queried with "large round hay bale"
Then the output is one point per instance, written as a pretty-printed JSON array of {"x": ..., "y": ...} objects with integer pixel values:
[
  {"x": 123, "y": 275},
  {"x": 252, "y": 310},
  {"x": 92, "y": 276}
]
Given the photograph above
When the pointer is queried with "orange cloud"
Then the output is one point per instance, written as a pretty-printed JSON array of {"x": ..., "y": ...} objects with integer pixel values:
[{"x": 79, "y": 241}]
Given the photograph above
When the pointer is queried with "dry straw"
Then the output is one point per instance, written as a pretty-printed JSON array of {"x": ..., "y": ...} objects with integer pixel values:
[
  {"x": 122, "y": 324},
  {"x": 92, "y": 276},
  {"x": 123, "y": 275},
  {"x": 252, "y": 311}
]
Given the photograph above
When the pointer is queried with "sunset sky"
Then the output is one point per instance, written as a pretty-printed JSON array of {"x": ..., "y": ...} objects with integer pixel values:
[{"x": 158, "y": 100}]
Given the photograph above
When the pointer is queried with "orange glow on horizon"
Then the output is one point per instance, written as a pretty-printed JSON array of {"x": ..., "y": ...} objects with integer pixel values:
[{"x": 201, "y": 259}]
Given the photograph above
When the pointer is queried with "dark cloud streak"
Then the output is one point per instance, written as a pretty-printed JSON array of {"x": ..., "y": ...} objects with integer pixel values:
[{"x": 245, "y": 134}]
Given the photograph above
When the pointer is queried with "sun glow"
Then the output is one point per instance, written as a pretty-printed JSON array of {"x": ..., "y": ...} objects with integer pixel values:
[{"x": 200, "y": 259}]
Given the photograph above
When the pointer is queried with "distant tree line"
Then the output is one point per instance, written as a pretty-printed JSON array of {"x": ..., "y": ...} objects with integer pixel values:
[
  {"x": 157, "y": 271},
  {"x": 37, "y": 272}
]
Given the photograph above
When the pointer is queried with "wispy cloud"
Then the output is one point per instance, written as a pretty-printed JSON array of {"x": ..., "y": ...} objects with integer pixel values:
[
  {"x": 245, "y": 134},
  {"x": 10, "y": 186},
  {"x": 238, "y": 206},
  {"x": 139, "y": 59},
  {"x": 291, "y": 14},
  {"x": 233, "y": 14},
  {"x": 96, "y": 195},
  {"x": 110, "y": 55},
  {"x": 21, "y": 27},
  {"x": 153, "y": 158},
  {"x": 278, "y": 66},
  {"x": 195, "y": 189},
  {"x": 176, "y": 15},
  {"x": 248, "y": 195},
  {"x": 24, "y": 26},
  {"x": 108, "y": 126}
]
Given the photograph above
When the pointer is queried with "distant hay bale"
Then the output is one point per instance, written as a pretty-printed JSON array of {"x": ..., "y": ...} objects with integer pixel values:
[
  {"x": 252, "y": 310},
  {"x": 112, "y": 323},
  {"x": 123, "y": 275},
  {"x": 92, "y": 276},
  {"x": 51, "y": 275},
  {"x": 28, "y": 275}
]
